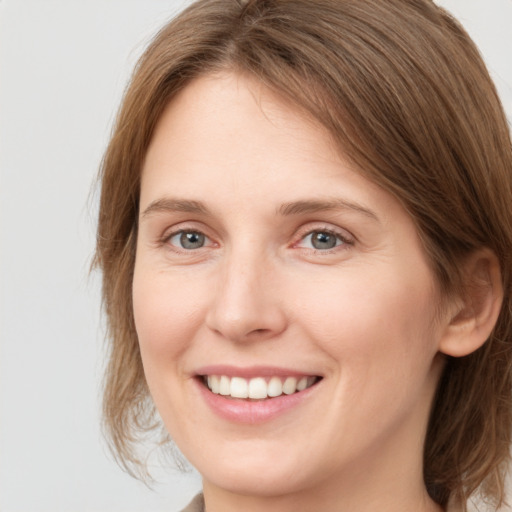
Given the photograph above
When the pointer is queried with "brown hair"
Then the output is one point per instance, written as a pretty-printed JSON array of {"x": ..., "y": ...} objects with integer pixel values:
[{"x": 404, "y": 91}]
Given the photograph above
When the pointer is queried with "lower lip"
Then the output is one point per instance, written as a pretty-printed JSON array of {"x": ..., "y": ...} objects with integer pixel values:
[{"x": 252, "y": 412}]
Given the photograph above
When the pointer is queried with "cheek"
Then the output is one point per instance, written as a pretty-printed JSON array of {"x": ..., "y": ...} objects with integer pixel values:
[
  {"x": 379, "y": 336},
  {"x": 166, "y": 321},
  {"x": 373, "y": 319},
  {"x": 166, "y": 315}
]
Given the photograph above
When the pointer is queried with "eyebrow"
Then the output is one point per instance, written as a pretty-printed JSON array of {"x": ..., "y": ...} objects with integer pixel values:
[
  {"x": 286, "y": 209},
  {"x": 175, "y": 205},
  {"x": 313, "y": 206}
]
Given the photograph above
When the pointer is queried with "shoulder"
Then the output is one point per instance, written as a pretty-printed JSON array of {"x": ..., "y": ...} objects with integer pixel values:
[{"x": 196, "y": 505}]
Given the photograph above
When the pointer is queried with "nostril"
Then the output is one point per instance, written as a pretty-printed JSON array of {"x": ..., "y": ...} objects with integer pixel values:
[{"x": 259, "y": 333}]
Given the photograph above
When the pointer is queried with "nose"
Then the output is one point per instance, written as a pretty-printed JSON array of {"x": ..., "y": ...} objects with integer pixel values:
[{"x": 247, "y": 305}]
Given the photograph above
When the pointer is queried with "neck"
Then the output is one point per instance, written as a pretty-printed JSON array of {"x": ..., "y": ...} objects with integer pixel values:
[{"x": 218, "y": 500}]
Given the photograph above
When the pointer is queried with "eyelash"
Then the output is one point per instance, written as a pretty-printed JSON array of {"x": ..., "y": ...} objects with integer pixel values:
[
  {"x": 342, "y": 240},
  {"x": 166, "y": 239}
]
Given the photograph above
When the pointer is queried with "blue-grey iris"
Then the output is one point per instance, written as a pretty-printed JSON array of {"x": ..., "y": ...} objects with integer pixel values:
[{"x": 192, "y": 240}]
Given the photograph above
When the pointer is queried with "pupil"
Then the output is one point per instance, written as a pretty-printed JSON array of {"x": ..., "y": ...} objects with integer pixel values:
[
  {"x": 191, "y": 240},
  {"x": 322, "y": 240}
]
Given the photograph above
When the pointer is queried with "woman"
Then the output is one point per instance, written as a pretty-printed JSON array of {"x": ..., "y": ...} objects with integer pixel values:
[{"x": 305, "y": 237}]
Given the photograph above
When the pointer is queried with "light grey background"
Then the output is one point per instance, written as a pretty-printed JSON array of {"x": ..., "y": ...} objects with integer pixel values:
[{"x": 63, "y": 67}]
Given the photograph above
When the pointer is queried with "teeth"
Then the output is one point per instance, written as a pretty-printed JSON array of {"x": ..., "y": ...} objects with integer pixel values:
[
  {"x": 214, "y": 383},
  {"x": 224, "y": 386},
  {"x": 290, "y": 385},
  {"x": 239, "y": 388},
  {"x": 302, "y": 384},
  {"x": 257, "y": 388},
  {"x": 275, "y": 387}
]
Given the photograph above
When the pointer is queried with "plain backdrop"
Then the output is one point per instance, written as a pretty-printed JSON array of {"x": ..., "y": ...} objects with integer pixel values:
[{"x": 63, "y": 67}]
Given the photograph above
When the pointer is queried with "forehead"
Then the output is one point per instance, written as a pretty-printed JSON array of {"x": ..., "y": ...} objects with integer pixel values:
[
  {"x": 230, "y": 129},
  {"x": 228, "y": 142},
  {"x": 222, "y": 107}
]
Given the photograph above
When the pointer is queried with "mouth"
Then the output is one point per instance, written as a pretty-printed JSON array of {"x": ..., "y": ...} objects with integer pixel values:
[
  {"x": 257, "y": 394},
  {"x": 257, "y": 388}
]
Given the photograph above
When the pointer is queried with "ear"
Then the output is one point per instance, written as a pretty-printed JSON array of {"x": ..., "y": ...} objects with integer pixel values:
[{"x": 474, "y": 314}]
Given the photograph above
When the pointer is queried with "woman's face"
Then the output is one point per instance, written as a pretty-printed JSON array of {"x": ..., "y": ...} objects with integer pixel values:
[{"x": 267, "y": 266}]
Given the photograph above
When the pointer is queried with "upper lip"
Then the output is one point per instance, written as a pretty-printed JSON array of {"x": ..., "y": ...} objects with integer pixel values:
[{"x": 250, "y": 372}]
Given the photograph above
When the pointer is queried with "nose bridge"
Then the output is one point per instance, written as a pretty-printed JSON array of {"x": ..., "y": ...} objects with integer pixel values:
[{"x": 245, "y": 305}]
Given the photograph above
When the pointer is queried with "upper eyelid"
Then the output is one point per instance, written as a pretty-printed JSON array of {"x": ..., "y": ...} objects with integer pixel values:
[
  {"x": 171, "y": 234},
  {"x": 186, "y": 225},
  {"x": 336, "y": 230},
  {"x": 345, "y": 242},
  {"x": 300, "y": 233}
]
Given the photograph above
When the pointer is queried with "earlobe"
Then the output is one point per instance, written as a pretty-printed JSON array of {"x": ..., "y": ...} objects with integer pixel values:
[{"x": 477, "y": 310}]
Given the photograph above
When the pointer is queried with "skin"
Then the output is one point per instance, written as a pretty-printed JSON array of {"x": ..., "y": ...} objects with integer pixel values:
[{"x": 362, "y": 315}]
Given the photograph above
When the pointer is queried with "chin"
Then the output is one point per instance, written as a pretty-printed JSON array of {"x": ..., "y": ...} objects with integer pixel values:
[
  {"x": 255, "y": 481},
  {"x": 260, "y": 472}
]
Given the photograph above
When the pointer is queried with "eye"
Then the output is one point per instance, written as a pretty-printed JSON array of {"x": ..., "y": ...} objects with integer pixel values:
[
  {"x": 323, "y": 240},
  {"x": 188, "y": 240}
]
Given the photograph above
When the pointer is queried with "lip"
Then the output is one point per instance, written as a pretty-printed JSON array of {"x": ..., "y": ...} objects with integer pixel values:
[
  {"x": 250, "y": 372},
  {"x": 249, "y": 412}
]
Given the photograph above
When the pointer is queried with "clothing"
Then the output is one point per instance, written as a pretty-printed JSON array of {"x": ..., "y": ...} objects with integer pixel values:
[{"x": 196, "y": 505}]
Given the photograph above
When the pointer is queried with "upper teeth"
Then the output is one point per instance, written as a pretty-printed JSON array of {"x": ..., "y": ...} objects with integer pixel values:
[{"x": 258, "y": 387}]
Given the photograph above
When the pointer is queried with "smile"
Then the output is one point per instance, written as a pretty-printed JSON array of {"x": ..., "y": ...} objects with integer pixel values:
[
  {"x": 257, "y": 394},
  {"x": 257, "y": 388}
]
